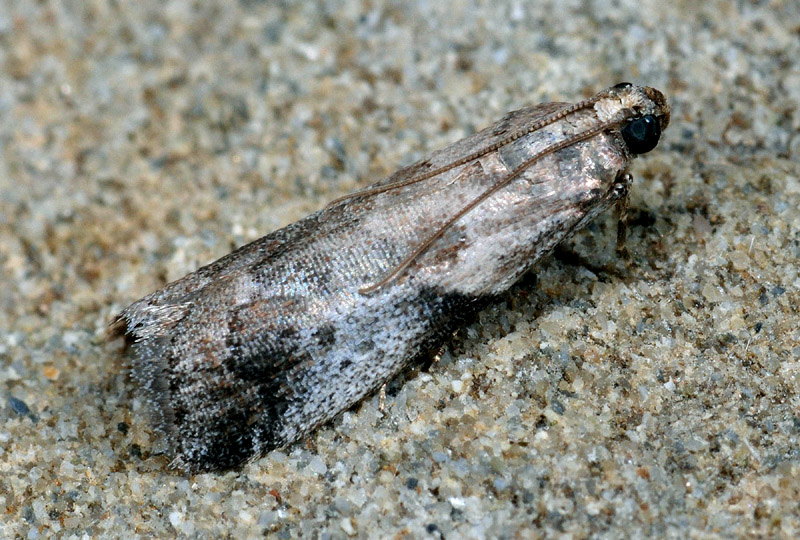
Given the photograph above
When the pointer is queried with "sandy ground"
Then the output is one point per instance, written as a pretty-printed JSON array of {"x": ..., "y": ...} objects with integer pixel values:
[{"x": 139, "y": 140}]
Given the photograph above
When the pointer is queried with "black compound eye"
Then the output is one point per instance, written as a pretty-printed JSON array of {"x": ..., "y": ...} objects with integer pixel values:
[{"x": 642, "y": 134}]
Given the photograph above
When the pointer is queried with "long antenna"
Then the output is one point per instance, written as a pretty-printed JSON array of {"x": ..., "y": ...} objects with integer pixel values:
[{"x": 546, "y": 121}]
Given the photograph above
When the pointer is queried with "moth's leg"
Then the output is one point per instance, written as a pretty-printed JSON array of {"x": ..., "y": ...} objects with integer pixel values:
[
  {"x": 436, "y": 355},
  {"x": 429, "y": 359},
  {"x": 622, "y": 193},
  {"x": 382, "y": 398}
]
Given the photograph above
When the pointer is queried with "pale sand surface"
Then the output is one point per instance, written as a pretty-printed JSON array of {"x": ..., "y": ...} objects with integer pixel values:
[{"x": 139, "y": 140}]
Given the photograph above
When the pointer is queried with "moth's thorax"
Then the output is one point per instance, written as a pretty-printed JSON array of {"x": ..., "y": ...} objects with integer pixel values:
[{"x": 638, "y": 100}]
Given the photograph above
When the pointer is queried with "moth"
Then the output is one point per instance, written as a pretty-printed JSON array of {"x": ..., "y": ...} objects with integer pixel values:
[{"x": 257, "y": 349}]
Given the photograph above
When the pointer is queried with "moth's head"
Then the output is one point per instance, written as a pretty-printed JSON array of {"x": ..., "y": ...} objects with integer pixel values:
[{"x": 644, "y": 112}]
